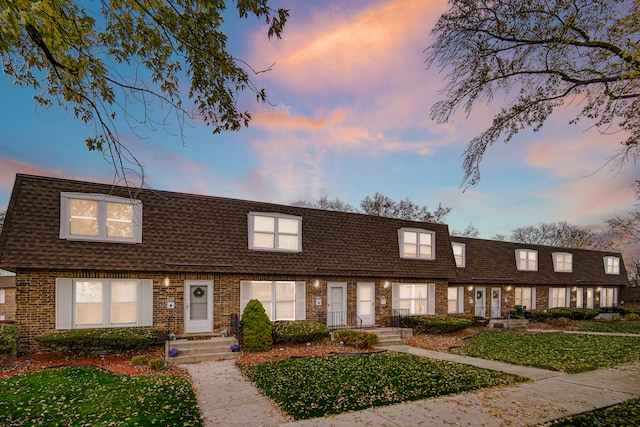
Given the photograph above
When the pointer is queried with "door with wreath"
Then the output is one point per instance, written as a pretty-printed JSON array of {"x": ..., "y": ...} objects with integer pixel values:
[{"x": 198, "y": 306}]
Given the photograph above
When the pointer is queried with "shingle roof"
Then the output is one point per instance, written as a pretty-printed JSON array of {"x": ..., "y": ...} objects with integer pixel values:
[
  {"x": 489, "y": 261},
  {"x": 194, "y": 233}
]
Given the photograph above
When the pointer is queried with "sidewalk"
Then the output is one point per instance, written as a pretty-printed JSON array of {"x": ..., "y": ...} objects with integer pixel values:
[{"x": 226, "y": 399}]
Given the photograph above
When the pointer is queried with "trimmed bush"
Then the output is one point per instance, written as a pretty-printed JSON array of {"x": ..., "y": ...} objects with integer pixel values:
[
  {"x": 9, "y": 333},
  {"x": 632, "y": 317},
  {"x": 437, "y": 324},
  {"x": 256, "y": 328},
  {"x": 139, "y": 360},
  {"x": 566, "y": 312},
  {"x": 297, "y": 331},
  {"x": 156, "y": 364},
  {"x": 355, "y": 338},
  {"x": 475, "y": 320},
  {"x": 85, "y": 341}
]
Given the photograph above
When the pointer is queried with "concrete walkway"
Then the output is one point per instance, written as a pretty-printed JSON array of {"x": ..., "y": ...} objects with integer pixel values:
[{"x": 227, "y": 399}]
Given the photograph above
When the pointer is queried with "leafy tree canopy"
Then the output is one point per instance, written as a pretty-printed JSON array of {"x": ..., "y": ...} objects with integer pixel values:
[
  {"x": 100, "y": 59},
  {"x": 549, "y": 53}
]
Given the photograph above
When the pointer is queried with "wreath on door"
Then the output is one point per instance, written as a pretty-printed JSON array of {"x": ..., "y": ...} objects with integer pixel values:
[{"x": 198, "y": 292}]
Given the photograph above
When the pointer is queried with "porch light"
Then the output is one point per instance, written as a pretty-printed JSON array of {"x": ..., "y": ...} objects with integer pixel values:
[
  {"x": 316, "y": 284},
  {"x": 470, "y": 288},
  {"x": 167, "y": 282},
  {"x": 508, "y": 288},
  {"x": 386, "y": 284}
]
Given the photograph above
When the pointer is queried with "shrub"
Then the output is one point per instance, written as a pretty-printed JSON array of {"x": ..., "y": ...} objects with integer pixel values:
[
  {"x": 156, "y": 364},
  {"x": 256, "y": 328},
  {"x": 475, "y": 320},
  {"x": 355, "y": 338},
  {"x": 632, "y": 317},
  {"x": 9, "y": 333},
  {"x": 437, "y": 324},
  {"x": 85, "y": 341},
  {"x": 566, "y": 312},
  {"x": 298, "y": 331},
  {"x": 139, "y": 360}
]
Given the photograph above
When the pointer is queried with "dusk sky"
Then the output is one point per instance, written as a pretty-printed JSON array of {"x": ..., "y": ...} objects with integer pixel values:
[{"x": 350, "y": 118}]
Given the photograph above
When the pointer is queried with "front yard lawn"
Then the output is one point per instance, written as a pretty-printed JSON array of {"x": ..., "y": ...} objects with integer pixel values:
[
  {"x": 624, "y": 414},
  {"x": 86, "y": 396},
  {"x": 555, "y": 351},
  {"x": 317, "y": 386},
  {"x": 617, "y": 327}
]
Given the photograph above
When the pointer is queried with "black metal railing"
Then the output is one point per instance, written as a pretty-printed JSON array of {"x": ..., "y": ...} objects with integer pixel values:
[
  {"x": 340, "y": 319},
  {"x": 235, "y": 325},
  {"x": 397, "y": 320}
]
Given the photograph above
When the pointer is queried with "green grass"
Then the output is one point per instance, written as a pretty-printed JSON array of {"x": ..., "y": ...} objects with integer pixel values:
[
  {"x": 82, "y": 396},
  {"x": 619, "y": 327},
  {"x": 555, "y": 351},
  {"x": 317, "y": 386},
  {"x": 624, "y": 414}
]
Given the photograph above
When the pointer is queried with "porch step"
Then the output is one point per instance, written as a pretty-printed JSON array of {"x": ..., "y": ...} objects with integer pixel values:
[
  {"x": 202, "y": 350},
  {"x": 391, "y": 336},
  {"x": 510, "y": 324}
]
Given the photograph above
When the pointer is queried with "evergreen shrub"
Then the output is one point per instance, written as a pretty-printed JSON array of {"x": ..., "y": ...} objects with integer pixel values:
[
  {"x": 297, "y": 331},
  {"x": 356, "y": 338},
  {"x": 256, "y": 328}
]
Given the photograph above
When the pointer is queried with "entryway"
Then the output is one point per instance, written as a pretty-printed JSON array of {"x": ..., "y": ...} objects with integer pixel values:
[
  {"x": 481, "y": 305},
  {"x": 367, "y": 303},
  {"x": 198, "y": 306},
  {"x": 336, "y": 304},
  {"x": 496, "y": 305}
]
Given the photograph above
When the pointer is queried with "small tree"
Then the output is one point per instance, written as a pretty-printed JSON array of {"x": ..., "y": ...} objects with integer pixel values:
[{"x": 256, "y": 328}]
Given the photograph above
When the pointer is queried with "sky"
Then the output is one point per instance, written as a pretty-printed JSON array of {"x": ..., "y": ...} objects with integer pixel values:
[{"x": 348, "y": 116}]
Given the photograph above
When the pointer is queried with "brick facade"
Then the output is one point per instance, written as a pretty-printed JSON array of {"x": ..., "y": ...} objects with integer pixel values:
[{"x": 8, "y": 308}]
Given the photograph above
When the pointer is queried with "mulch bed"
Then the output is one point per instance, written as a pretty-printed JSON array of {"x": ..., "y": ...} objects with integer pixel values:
[
  {"x": 287, "y": 351},
  {"x": 119, "y": 364}
]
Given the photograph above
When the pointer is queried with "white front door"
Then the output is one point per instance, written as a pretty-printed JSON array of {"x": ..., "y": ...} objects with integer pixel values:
[
  {"x": 496, "y": 306},
  {"x": 367, "y": 303},
  {"x": 198, "y": 306},
  {"x": 336, "y": 304},
  {"x": 480, "y": 302}
]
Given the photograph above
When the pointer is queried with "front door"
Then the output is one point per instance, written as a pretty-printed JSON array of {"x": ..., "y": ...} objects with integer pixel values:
[
  {"x": 336, "y": 304},
  {"x": 198, "y": 306},
  {"x": 480, "y": 302},
  {"x": 496, "y": 306},
  {"x": 367, "y": 303}
]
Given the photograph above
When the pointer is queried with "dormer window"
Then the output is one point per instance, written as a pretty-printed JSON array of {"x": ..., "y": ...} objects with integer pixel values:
[
  {"x": 275, "y": 232},
  {"x": 562, "y": 262},
  {"x": 459, "y": 253},
  {"x": 416, "y": 243},
  {"x": 612, "y": 265},
  {"x": 100, "y": 217},
  {"x": 527, "y": 260}
]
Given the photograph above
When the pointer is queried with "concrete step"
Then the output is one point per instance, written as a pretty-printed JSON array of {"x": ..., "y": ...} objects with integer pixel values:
[{"x": 200, "y": 350}]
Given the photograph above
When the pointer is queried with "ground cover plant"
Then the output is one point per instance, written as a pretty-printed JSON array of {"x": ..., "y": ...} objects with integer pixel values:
[
  {"x": 75, "y": 396},
  {"x": 555, "y": 351},
  {"x": 614, "y": 327},
  {"x": 317, "y": 386},
  {"x": 624, "y": 414}
]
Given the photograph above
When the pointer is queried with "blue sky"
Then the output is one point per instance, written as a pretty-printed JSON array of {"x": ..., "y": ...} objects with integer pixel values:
[{"x": 350, "y": 118}]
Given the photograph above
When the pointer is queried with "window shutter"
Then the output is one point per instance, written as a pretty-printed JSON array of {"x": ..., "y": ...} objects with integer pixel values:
[
  {"x": 533, "y": 299},
  {"x": 245, "y": 294},
  {"x": 461, "y": 299},
  {"x": 395, "y": 300},
  {"x": 615, "y": 297},
  {"x": 550, "y": 297},
  {"x": 64, "y": 303},
  {"x": 146, "y": 303},
  {"x": 567, "y": 298},
  {"x": 301, "y": 300},
  {"x": 431, "y": 298}
]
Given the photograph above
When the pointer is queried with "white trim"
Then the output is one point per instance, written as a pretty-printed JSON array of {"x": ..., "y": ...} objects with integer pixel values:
[
  {"x": 102, "y": 200},
  {"x": 299, "y": 296},
  {"x": 430, "y": 297},
  {"x": 2, "y": 296},
  {"x": 463, "y": 255},
  {"x": 614, "y": 268},
  {"x": 557, "y": 264},
  {"x": 198, "y": 325},
  {"x": 530, "y": 253}
]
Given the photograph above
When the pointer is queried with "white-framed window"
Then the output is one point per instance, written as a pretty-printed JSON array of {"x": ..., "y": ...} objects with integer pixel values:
[
  {"x": 559, "y": 297},
  {"x": 562, "y": 262},
  {"x": 459, "y": 254},
  {"x": 612, "y": 265},
  {"x": 416, "y": 243},
  {"x": 2, "y": 296},
  {"x": 527, "y": 259},
  {"x": 455, "y": 301},
  {"x": 414, "y": 298},
  {"x": 275, "y": 232},
  {"x": 608, "y": 297},
  {"x": 2, "y": 317},
  {"x": 579, "y": 298},
  {"x": 526, "y": 297},
  {"x": 100, "y": 217},
  {"x": 103, "y": 303},
  {"x": 282, "y": 300}
]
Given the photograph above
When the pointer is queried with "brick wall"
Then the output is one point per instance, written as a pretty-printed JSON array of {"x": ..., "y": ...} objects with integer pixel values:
[{"x": 8, "y": 308}]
